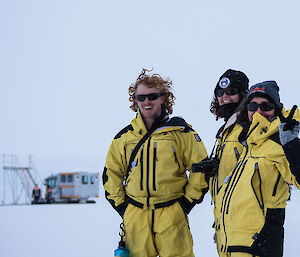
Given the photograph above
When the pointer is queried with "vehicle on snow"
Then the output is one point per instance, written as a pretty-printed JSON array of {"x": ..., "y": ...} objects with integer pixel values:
[{"x": 72, "y": 187}]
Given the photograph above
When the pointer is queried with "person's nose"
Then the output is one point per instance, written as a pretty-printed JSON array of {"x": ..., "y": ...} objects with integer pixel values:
[
  {"x": 259, "y": 110},
  {"x": 225, "y": 95},
  {"x": 147, "y": 101}
]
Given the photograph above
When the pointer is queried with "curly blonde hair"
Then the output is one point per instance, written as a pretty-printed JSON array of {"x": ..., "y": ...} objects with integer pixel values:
[{"x": 154, "y": 80}]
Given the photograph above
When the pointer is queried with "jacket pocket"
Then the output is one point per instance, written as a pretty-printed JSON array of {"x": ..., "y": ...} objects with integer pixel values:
[
  {"x": 269, "y": 241},
  {"x": 175, "y": 156},
  {"x": 276, "y": 184},
  {"x": 237, "y": 154},
  {"x": 256, "y": 186}
]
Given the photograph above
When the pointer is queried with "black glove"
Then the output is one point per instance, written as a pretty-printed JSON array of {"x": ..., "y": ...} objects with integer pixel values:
[
  {"x": 208, "y": 166},
  {"x": 186, "y": 205},
  {"x": 289, "y": 127}
]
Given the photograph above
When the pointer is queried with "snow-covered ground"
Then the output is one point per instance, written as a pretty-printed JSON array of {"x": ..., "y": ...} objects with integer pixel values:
[{"x": 79, "y": 230}]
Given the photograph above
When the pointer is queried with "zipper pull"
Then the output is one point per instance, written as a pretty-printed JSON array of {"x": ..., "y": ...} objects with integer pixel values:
[{"x": 237, "y": 155}]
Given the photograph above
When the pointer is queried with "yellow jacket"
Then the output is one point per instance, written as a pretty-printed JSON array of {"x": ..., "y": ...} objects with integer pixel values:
[
  {"x": 251, "y": 201},
  {"x": 158, "y": 173},
  {"x": 228, "y": 151}
]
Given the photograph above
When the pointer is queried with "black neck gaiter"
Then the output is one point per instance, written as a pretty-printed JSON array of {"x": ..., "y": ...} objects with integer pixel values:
[
  {"x": 227, "y": 110},
  {"x": 157, "y": 121}
]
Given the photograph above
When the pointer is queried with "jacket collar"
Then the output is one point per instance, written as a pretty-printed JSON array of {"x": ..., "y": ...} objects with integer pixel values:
[
  {"x": 230, "y": 121},
  {"x": 138, "y": 123},
  {"x": 164, "y": 124},
  {"x": 261, "y": 129}
]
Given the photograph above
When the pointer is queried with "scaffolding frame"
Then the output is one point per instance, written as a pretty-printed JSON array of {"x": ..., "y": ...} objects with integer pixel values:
[{"x": 19, "y": 179}]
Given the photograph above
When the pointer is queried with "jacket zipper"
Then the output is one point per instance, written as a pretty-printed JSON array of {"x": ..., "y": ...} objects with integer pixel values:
[
  {"x": 276, "y": 184},
  {"x": 142, "y": 168},
  {"x": 154, "y": 165},
  {"x": 175, "y": 157},
  {"x": 261, "y": 204},
  {"x": 148, "y": 172},
  {"x": 237, "y": 155}
]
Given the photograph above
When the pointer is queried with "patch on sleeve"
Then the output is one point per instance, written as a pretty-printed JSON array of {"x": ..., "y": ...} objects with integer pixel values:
[{"x": 198, "y": 139}]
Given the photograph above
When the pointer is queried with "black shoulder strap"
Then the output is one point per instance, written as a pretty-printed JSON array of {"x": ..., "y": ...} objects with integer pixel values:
[
  {"x": 136, "y": 149},
  {"x": 175, "y": 121},
  {"x": 220, "y": 130}
]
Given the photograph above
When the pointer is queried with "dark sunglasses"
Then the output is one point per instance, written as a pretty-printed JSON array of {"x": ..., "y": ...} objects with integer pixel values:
[
  {"x": 229, "y": 91},
  {"x": 151, "y": 97},
  {"x": 253, "y": 106}
]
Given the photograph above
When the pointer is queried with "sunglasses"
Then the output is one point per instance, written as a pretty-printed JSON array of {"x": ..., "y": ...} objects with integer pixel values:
[
  {"x": 229, "y": 91},
  {"x": 253, "y": 106},
  {"x": 151, "y": 97}
]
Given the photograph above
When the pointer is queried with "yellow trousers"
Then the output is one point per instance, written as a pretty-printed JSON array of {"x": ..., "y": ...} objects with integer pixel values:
[{"x": 164, "y": 232}]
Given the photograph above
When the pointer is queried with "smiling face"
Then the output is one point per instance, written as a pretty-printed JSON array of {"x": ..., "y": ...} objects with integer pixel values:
[
  {"x": 269, "y": 115},
  {"x": 149, "y": 109},
  {"x": 227, "y": 99}
]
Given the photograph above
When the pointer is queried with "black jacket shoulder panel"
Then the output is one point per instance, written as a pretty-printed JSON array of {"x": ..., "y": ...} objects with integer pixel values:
[
  {"x": 178, "y": 121},
  {"x": 188, "y": 128},
  {"x": 123, "y": 131}
]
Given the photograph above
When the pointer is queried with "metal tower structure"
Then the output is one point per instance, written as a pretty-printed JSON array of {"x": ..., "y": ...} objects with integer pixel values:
[{"x": 18, "y": 180}]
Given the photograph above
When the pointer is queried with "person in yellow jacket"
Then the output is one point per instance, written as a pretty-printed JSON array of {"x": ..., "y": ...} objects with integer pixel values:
[
  {"x": 145, "y": 175},
  {"x": 252, "y": 199},
  {"x": 231, "y": 89}
]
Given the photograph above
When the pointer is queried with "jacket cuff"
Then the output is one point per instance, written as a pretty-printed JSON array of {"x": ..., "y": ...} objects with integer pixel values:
[
  {"x": 121, "y": 208},
  {"x": 186, "y": 205}
]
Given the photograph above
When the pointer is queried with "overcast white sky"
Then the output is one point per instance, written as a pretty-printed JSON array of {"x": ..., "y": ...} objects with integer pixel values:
[{"x": 66, "y": 65}]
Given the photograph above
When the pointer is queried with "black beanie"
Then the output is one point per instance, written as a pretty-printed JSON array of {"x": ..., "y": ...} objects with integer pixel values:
[
  {"x": 233, "y": 78},
  {"x": 267, "y": 89}
]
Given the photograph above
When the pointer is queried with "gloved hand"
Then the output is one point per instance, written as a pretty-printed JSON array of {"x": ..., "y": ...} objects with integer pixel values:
[
  {"x": 289, "y": 127},
  {"x": 208, "y": 166}
]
